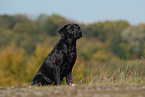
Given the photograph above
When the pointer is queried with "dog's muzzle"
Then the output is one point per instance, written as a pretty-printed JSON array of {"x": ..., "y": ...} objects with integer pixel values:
[{"x": 79, "y": 35}]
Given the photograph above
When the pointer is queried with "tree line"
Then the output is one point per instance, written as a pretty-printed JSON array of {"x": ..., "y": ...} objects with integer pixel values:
[{"x": 122, "y": 39}]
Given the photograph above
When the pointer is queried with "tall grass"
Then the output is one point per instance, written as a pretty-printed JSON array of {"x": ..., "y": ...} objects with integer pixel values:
[{"x": 129, "y": 73}]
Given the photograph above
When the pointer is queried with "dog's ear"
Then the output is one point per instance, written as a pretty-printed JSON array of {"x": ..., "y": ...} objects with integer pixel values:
[{"x": 63, "y": 32}]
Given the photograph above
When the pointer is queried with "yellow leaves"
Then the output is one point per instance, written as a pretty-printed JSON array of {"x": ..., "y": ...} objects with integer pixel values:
[
  {"x": 12, "y": 57},
  {"x": 6, "y": 81},
  {"x": 12, "y": 64}
]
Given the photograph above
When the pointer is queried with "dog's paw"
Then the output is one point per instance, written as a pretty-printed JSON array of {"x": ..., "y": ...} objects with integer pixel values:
[{"x": 72, "y": 84}]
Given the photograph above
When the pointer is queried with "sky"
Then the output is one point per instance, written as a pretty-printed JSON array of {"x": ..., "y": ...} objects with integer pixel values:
[{"x": 83, "y": 11}]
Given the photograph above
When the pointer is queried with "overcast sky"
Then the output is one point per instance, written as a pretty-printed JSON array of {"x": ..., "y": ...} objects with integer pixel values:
[{"x": 84, "y": 11}]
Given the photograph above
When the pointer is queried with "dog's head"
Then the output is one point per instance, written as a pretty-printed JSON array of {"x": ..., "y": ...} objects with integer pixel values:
[{"x": 72, "y": 31}]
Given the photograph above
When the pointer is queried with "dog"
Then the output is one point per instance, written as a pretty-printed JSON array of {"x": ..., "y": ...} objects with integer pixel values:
[{"x": 60, "y": 61}]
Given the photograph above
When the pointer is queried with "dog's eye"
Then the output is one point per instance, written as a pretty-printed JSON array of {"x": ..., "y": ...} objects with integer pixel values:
[{"x": 72, "y": 28}]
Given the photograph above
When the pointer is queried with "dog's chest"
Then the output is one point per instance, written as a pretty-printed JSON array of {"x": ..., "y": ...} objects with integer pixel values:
[
  {"x": 72, "y": 53},
  {"x": 68, "y": 64}
]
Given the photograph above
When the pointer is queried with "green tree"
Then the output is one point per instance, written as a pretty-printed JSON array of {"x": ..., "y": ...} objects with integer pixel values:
[
  {"x": 26, "y": 27},
  {"x": 8, "y": 22},
  {"x": 134, "y": 37},
  {"x": 50, "y": 24}
]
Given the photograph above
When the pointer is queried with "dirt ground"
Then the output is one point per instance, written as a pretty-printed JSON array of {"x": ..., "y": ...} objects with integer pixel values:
[{"x": 77, "y": 91}]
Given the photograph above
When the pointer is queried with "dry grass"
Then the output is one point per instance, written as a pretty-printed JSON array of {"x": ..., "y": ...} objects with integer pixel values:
[{"x": 130, "y": 72}]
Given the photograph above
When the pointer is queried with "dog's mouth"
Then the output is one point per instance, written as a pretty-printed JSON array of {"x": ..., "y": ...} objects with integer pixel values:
[{"x": 79, "y": 35}]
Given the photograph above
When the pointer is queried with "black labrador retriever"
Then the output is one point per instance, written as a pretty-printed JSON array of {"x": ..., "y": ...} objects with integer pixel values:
[{"x": 61, "y": 59}]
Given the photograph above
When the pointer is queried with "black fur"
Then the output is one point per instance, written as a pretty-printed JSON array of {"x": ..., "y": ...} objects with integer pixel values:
[{"x": 61, "y": 59}]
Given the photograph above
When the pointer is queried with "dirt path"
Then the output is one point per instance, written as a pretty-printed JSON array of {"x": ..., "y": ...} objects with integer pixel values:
[{"x": 78, "y": 91}]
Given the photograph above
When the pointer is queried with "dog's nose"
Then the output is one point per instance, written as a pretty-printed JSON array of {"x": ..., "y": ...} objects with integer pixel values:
[{"x": 80, "y": 34}]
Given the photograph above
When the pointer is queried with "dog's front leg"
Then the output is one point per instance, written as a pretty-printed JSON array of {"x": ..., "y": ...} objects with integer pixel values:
[
  {"x": 57, "y": 76},
  {"x": 68, "y": 79}
]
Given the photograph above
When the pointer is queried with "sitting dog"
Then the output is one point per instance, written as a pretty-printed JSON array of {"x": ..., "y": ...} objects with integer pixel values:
[{"x": 60, "y": 61}]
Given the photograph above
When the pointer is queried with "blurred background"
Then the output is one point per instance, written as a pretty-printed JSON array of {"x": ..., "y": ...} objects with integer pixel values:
[{"x": 114, "y": 36}]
